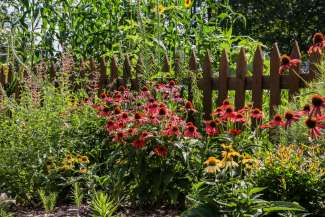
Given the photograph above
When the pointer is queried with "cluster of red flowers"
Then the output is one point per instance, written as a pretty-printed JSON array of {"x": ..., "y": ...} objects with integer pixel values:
[
  {"x": 143, "y": 120},
  {"x": 314, "y": 117},
  {"x": 227, "y": 120},
  {"x": 318, "y": 44}
]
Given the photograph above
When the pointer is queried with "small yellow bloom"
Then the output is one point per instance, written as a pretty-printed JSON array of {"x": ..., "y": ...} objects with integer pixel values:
[
  {"x": 161, "y": 9},
  {"x": 213, "y": 165},
  {"x": 188, "y": 3},
  {"x": 83, "y": 159},
  {"x": 83, "y": 170}
]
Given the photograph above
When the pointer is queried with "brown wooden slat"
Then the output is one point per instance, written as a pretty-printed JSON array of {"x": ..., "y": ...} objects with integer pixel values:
[
  {"x": 113, "y": 83},
  {"x": 241, "y": 71},
  {"x": 103, "y": 80},
  {"x": 193, "y": 67},
  {"x": 126, "y": 70},
  {"x": 52, "y": 72},
  {"x": 139, "y": 69},
  {"x": 82, "y": 68},
  {"x": 275, "y": 91},
  {"x": 2, "y": 77},
  {"x": 166, "y": 65},
  {"x": 92, "y": 73},
  {"x": 315, "y": 61},
  {"x": 257, "y": 79},
  {"x": 177, "y": 64},
  {"x": 10, "y": 74},
  {"x": 222, "y": 86},
  {"x": 295, "y": 80},
  {"x": 207, "y": 88}
]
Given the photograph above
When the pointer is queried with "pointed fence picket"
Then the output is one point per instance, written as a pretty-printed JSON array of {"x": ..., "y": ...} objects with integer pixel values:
[{"x": 109, "y": 78}]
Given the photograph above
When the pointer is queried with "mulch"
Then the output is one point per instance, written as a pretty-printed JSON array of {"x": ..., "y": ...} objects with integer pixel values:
[{"x": 71, "y": 211}]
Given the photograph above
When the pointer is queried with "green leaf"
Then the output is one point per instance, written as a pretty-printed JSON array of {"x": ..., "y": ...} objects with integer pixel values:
[
  {"x": 201, "y": 211},
  {"x": 283, "y": 206}
]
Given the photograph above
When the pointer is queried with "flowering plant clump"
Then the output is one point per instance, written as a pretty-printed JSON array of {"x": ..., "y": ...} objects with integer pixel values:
[
  {"x": 318, "y": 44},
  {"x": 152, "y": 140},
  {"x": 294, "y": 173}
]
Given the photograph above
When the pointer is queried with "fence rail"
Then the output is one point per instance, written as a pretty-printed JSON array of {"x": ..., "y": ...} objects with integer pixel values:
[{"x": 240, "y": 83}]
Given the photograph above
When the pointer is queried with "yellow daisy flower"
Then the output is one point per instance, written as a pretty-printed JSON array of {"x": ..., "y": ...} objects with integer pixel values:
[
  {"x": 213, "y": 165},
  {"x": 161, "y": 9},
  {"x": 188, "y": 3}
]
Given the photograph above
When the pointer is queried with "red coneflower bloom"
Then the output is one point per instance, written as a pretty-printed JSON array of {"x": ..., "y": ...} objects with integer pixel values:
[
  {"x": 219, "y": 111},
  {"x": 234, "y": 132},
  {"x": 124, "y": 118},
  {"x": 305, "y": 111},
  {"x": 172, "y": 83},
  {"x": 117, "y": 111},
  {"x": 138, "y": 143},
  {"x": 225, "y": 104},
  {"x": 314, "y": 125},
  {"x": 191, "y": 131},
  {"x": 239, "y": 118},
  {"x": 121, "y": 88},
  {"x": 211, "y": 127},
  {"x": 188, "y": 105},
  {"x": 172, "y": 130},
  {"x": 228, "y": 113},
  {"x": 318, "y": 44},
  {"x": 290, "y": 117},
  {"x": 257, "y": 114},
  {"x": 110, "y": 125},
  {"x": 104, "y": 111},
  {"x": 119, "y": 136},
  {"x": 162, "y": 111},
  {"x": 288, "y": 63},
  {"x": 132, "y": 131},
  {"x": 277, "y": 121},
  {"x": 145, "y": 135},
  {"x": 161, "y": 151},
  {"x": 108, "y": 99},
  {"x": 318, "y": 103}
]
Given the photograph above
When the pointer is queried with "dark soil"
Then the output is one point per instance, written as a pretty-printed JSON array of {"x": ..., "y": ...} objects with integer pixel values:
[{"x": 71, "y": 211}]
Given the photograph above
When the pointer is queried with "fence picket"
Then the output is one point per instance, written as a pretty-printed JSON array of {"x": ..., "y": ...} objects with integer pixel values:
[
  {"x": 207, "y": 86},
  {"x": 275, "y": 91},
  {"x": 166, "y": 65},
  {"x": 2, "y": 77},
  {"x": 193, "y": 67},
  {"x": 223, "y": 78},
  {"x": 241, "y": 70},
  {"x": 294, "y": 79},
  {"x": 10, "y": 76},
  {"x": 257, "y": 85},
  {"x": 103, "y": 80},
  {"x": 126, "y": 70},
  {"x": 114, "y": 73},
  {"x": 138, "y": 73},
  {"x": 52, "y": 72}
]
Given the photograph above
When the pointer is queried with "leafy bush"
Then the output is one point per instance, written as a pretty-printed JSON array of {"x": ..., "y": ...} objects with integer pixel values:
[
  {"x": 294, "y": 173},
  {"x": 34, "y": 136}
]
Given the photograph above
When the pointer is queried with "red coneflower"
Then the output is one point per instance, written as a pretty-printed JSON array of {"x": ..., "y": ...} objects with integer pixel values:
[
  {"x": 162, "y": 111},
  {"x": 218, "y": 111},
  {"x": 172, "y": 130},
  {"x": 124, "y": 117},
  {"x": 119, "y": 136},
  {"x": 290, "y": 117},
  {"x": 191, "y": 131},
  {"x": 277, "y": 121},
  {"x": 314, "y": 125},
  {"x": 104, "y": 111},
  {"x": 172, "y": 83},
  {"x": 288, "y": 63},
  {"x": 211, "y": 127},
  {"x": 161, "y": 151},
  {"x": 117, "y": 111},
  {"x": 138, "y": 143},
  {"x": 110, "y": 125},
  {"x": 225, "y": 104},
  {"x": 257, "y": 114},
  {"x": 239, "y": 118},
  {"x": 318, "y": 103},
  {"x": 121, "y": 88},
  {"x": 228, "y": 113},
  {"x": 234, "y": 132},
  {"x": 145, "y": 135},
  {"x": 318, "y": 44}
]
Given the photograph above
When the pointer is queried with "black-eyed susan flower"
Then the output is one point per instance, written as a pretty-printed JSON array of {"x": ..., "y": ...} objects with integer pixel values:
[
  {"x": 188, "y": 3},
  {"x": 161, "y": 9},
  {"x": 83, "y": 159},
  {"x": 213, "y": 165},
  {"x": 83, "y": 170}
]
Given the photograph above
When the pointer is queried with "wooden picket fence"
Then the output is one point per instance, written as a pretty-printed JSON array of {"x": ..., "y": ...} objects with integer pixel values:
[{"x": 257, "y": 83}]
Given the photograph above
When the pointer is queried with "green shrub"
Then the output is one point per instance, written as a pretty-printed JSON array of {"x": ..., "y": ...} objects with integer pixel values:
[{"x": 34, "y": 137}]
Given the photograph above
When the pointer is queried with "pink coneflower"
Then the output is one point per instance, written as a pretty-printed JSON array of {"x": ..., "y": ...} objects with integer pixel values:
[
  {"x": 290, "y": 118},
  {"x": 218, "y": 112},
  {"x": 234, "y": 132},
  {"x": 315, "y": 126},
  {"x": 191, "y": 131},
  {"x": 172, "y": 130},
  {"x": 288, "y": 63},
  {"x": 257, "y": 114},
  {"x": 161, "y": 151},
  {"x": 277, "y": 121},
  {"x": 239, "y": 118},
  {"x": 138, "y": 143},
  {"x": 211, "y": 127},
  {"x": 318, "y": 103},
  {"x": 318, "y": 44},
  {"x": 228, "y": 113},
  {"x": 305, "y": 111},
  {"x": 110, "y": 125},
  {"x": 119, "y": 136}
]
